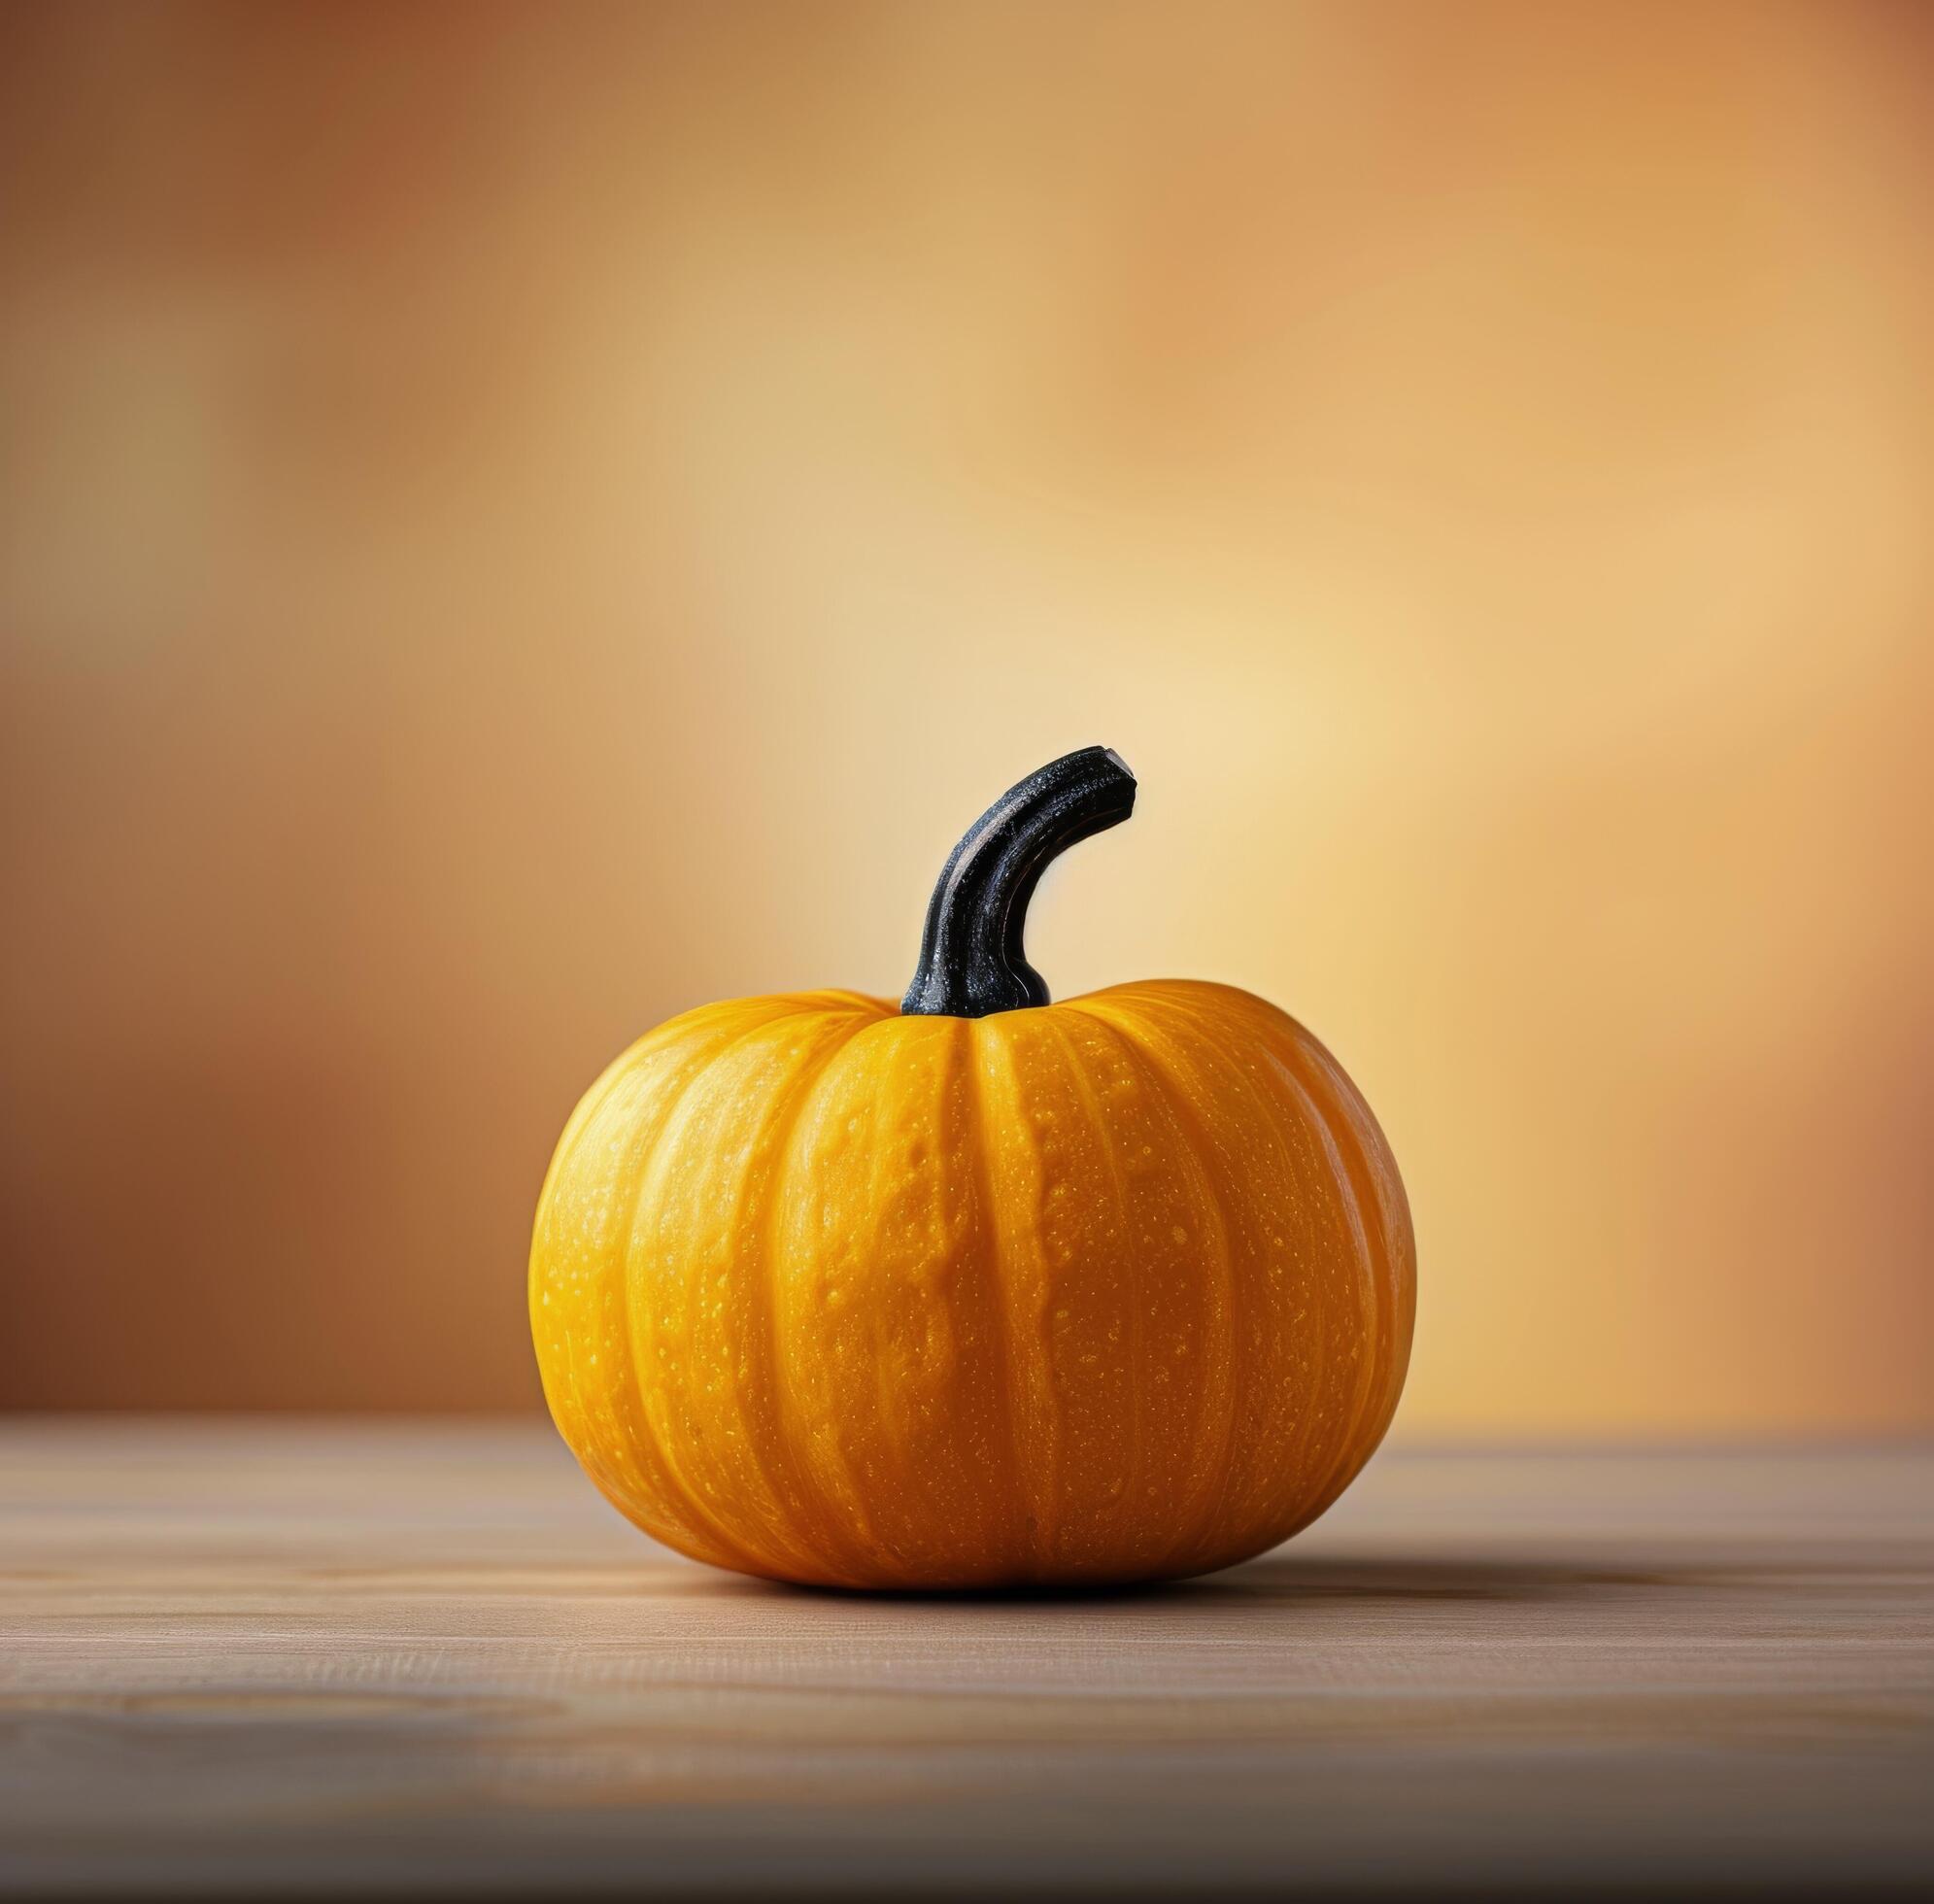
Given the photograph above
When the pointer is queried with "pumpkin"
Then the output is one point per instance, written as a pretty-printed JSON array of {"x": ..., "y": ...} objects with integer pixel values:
[{"x": 980, "y": 1291}]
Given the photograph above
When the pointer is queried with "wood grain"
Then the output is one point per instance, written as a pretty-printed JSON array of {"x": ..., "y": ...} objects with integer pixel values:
[{"x": 318, "y": 1657}]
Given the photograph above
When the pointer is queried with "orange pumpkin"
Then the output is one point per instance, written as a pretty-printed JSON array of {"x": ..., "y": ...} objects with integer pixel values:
[{"x": 980, "y": 1291}]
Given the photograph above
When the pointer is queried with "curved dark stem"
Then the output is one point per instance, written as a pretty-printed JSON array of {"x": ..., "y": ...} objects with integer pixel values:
[{"x": 971, "y": 960}]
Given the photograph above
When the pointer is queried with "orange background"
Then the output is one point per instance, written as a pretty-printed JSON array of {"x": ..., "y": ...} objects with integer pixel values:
[{"x": 514, "y": 522}]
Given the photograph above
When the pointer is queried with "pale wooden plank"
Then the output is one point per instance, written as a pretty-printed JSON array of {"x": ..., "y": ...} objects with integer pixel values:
[{"x": 243, "y": 1653}]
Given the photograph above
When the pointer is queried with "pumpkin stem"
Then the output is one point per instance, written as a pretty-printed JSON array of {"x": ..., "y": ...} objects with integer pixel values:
[{"x": 970, "y": 958}]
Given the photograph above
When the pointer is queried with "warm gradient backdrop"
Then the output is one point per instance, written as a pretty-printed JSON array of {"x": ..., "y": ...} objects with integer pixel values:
[{"x": 516, "y": 521}]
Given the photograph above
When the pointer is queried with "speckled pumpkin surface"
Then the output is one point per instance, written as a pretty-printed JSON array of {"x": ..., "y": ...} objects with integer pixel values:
[{"x": 1119, "y": 1288}]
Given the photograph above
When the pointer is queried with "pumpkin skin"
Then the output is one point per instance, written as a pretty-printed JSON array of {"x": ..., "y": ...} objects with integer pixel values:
[{"x": 1115, "y": 1289}]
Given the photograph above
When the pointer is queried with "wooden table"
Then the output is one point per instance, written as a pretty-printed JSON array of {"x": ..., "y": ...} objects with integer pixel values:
[{"x": 239, "y": 1654}]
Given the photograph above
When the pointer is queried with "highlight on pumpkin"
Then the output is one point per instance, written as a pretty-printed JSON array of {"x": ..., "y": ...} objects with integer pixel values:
[{"x": 985, "y": 1291}]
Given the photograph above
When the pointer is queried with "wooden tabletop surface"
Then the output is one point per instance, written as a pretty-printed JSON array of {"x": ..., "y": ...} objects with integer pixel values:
[{"x": 236, "y": 1655}]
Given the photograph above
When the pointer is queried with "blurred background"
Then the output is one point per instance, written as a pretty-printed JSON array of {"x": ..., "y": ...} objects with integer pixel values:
[{"x": 518, "y": 520}]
